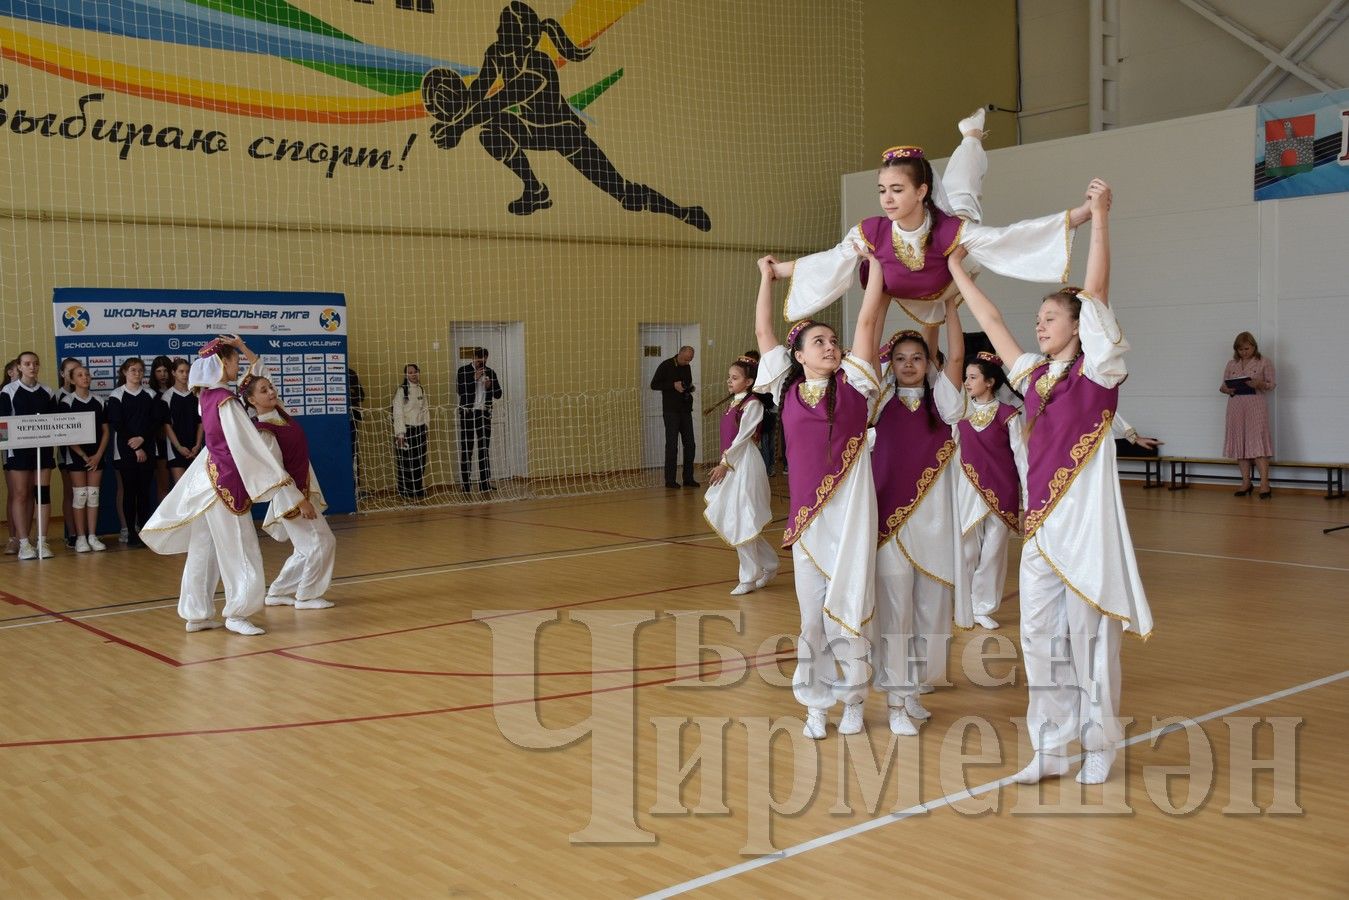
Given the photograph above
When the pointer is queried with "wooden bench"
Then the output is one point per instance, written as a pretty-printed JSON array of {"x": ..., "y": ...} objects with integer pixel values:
[
  {"x": 1152, "y": 469},
  {"x": 1181, "y": 475}
]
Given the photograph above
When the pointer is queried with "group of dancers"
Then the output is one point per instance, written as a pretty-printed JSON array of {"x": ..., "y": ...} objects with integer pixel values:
[{"x": 907, "y": 476}]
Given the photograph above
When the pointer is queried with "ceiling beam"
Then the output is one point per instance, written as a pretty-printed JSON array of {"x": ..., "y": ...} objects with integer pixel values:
[
  {"x": 1265, "y": 49},
  {"x": 1325, "y": 23}
]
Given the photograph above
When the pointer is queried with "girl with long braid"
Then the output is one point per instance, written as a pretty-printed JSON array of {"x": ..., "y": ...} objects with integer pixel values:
[
  {"x": 1079, "y": 578},
  {"x": 826, "y": 397},
  {"x": 988, "y": 499},
  {"x": 738, "y": 500},
  {"x": 925, "y": 217},
  {"x": 530, "y": 113},
  {"x": 916, "y": 571}
]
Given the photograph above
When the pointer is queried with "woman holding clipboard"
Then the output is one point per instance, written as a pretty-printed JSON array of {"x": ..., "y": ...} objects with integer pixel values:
[{"x": 1246, "y": 379}]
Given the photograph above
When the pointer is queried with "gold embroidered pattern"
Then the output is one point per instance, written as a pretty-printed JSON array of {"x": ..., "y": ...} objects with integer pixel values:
[
  {"x": 855, "y": 632},
  {"x": 955, "y": 242},
  {"x": 1008, "y": 518},
  {"x": 912, "y": 259},
  {"x": 831, "y": 483},
  {"x": 224, "y": 492},
  {"x": 910, "y": 401},
  {"x": 1045, "y": 383},
  {"x": 925, "y": 481},
  {"x": 1063, "y": 478},
  {"x": 865, "y": 370},
  {"x": 981, "y": 416},
  {"x": 811, "y": 394},
  {"x": 1067, "y": 245}
]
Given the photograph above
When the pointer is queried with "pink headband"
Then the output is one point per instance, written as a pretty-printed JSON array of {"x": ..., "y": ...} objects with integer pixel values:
[
  {"x": 799, "y": 327},
  {"x": 904, "y": 152},
  {"x": 211, "y": 348},
  {"x": 895, "y": 339},
  {"x": 985, "y": 356}
]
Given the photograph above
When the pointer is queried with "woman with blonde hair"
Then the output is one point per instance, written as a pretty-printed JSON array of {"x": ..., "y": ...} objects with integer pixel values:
[{"x": 1247, "y": 378}]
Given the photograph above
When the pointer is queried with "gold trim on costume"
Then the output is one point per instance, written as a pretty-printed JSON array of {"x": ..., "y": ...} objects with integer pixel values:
[
  {"x": 913, "y": 260},
  {"x": 855, "y": 632},
  {"x": 925, "y": 481},
  {"x": 864, "y": 369},
  {"x": 813, "y": 561},
  {"x": 1010, "y": 519},
  {"x": 981, "y": 417},
  {"x": 810, "y": 394},
  {"x": 826, "y": 489},
  {"x": 902, "y": 549},
  {"x": 960, "y": 233},
  {"x": 1081, "y": 453},
  {"x": 214, "y": 474},
  {"x": 1067, "y": 245},
  {"x": 1083, "y": 597}
]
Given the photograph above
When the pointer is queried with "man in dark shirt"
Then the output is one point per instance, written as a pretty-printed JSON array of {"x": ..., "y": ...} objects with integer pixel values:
[
  {"x": 478, "y": 387},
  {"x": 674, "y": 380}
]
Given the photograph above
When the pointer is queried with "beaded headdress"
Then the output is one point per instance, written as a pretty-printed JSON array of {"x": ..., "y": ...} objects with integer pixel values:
[{"x": 902, "y": 152}]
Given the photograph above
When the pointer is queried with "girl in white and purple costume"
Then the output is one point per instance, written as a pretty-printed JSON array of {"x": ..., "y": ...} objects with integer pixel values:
[{"x": 1079, "y": 577}]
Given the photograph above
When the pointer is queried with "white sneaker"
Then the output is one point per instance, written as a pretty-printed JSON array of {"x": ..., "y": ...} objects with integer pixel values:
[
  {"x": 279, "y": 601},
  {"x": 766, "y": 576},
  {"x": 12, "y": 547},
  {"x": 851, "y": 723},
  {"x": 1042, "y": 766},
  {"x": 95, "y": 544},
  {"x": 203, "y": 625},
  {"x": 817, "y": 722},
  {"x": 243, "y": 626},
  {"x": 914, "y": 707},
  {"x": 43, "y": 551},
  {"x": 985, "y": 622},
  {"x": 743, "y": 587},
  {"x": 1096, "y": 767},
  {"x": 925, "y": 688},
  {"x": 82, "y": 544},
  {"x": 26, "y": 550},
  {"x": 316, "y": 603},
  {"x": 973, "y": 124},
  {"x": 900, "y": 723}
]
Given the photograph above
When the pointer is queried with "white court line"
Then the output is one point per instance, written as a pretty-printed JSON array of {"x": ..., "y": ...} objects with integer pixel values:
[
  {"x": 949, "y": 799},
  {"x": 393, "y": 576},
  {"x": 1269, "y": 562}
]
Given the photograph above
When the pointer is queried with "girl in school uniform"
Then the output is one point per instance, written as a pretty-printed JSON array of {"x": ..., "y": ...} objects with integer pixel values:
[
  {"x": 1079, "y": 578},
  {"x": 82, "y": 463},
  {"x": 29, "y": 491},
  {"x": 738, "y": 502},
  {"x": 993, "y": 465},
  {"x": 134, "y": 417},
  {"x": 68, "y": 495},
  {"x": 206, "y": 515},
  {"x": 160, "y": 379},
  {"x": 911, "y": 240},
  {"x": 306, "y": 575},
  {"x": 182, "y": 423},
  {"x": 825, "y": 397},
  {"x": 916, "y": 474}
]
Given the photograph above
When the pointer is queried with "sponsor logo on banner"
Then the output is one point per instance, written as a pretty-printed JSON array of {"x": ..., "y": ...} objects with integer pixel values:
[
  {"x": 330, "y": 319},
  {"x": 75, "y": 319}
]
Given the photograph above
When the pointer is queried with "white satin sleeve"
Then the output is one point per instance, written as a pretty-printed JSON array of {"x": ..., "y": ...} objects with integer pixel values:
[
  {"x": 1033, "y": 250},
  {"x": 751, "y": 417},
  {"x": 773, "y": 367},
  {"x": 951, "y": 401},
  {"x": 862, "y": 377},
  {"x": 1016, "y": 433},
  {"x": 264, "y": 478},
  {"x": 1122, "y": 430},
  {"x": 821, "y": 278},
  {"x": 1018, "y": 376},
  {"x": 1103, "y": 343}
]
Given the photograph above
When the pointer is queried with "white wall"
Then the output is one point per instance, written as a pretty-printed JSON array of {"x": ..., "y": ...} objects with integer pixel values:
[{"x": 1195, "y": 261}]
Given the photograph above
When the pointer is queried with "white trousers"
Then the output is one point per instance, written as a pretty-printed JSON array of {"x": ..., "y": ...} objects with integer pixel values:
[
  {"x": 1072, "y": 663},
  {"x": 308, "y": 572},
  {"x": 984, "y": 552},
  {"x": 831, "y": 664},
  {"x": 221, "y": 544},
  {"x": 913, "y": 625},
  {"x": 963, "y": 179},
  {"x": 757, "y": 557}
]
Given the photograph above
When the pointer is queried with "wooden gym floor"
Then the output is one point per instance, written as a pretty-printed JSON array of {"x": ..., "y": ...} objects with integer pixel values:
[{"x": 363, "y": 750}]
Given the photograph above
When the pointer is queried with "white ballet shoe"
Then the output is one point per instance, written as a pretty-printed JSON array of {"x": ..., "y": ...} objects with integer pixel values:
[
  {"x": 900, "y": 723},
  {"x": 315, "y": 603},
  {"x": 766, "y": 576},
  {"x": 743, "y": 587},
  {"x": 816, "y": 725},
  {"x": 1096, "y": 766},
  {"x": 204, "y": 625},
  {"x": 1042, "y": 766},
  {"x": 280, "y": 601},
  {"x": 243, "y": 626},
  {"x": 925, "y": 688},
  {"x": 914, "y": 707},
  {"x": 851, "y": 723},
  {"x": 986, "y": 622},
  {"x": 973, "y": 124}
]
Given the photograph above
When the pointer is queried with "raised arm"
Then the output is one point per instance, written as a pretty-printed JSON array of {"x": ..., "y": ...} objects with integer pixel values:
[
  {"x": 871, "y": 317},
  {"x": 763, "y": 309},
  {"x": 1098, "y": 254},
  {"x": 983, "y": 309},
  {"x": 955, "y": 344}
]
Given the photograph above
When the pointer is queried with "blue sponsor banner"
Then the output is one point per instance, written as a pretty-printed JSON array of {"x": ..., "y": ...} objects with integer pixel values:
[
  {"x": 1302, "y": 146},
  {"x": 300, "y": 336}
]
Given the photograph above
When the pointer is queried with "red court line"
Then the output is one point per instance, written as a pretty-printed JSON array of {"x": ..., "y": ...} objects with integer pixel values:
[
  {"x": 381, "y": 669},
  {"x": 107, "y": 636},
  {"x": 633, "y": 537},
  {"x": 378, "y": 717}
]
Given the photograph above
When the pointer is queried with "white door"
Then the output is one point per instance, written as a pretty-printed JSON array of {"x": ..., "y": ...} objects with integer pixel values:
[
  {"x": 657, "y": 342},
  {"x": 505, "y": 345}
]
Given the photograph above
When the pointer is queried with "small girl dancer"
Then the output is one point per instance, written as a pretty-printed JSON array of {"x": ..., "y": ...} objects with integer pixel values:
[
  {"x": 1079, "y": 579},
  {"x": 206, "y": 513},
  {"x": 26, "y": 396},
  {"x": 81, "y": 464},
  {"x": 825, "y": 397},
  {"x": 308, "y": 572},
  {"x": 738, "y": 502},
  {"x": 923, "y": 221},
  {"x": 916, "y": 571},
  {"x": 993, "y": 466},
  {"x": 182, "y": 423}
]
